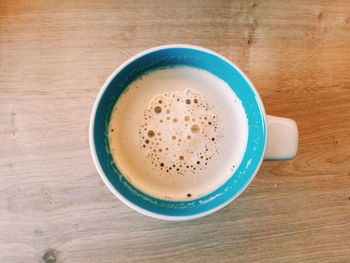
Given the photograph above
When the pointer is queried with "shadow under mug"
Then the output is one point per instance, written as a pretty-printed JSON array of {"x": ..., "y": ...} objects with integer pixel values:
[{"x": 269, "y": 137}]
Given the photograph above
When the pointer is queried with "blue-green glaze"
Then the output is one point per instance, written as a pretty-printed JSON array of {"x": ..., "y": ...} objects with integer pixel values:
[{"x": 223, "y": 70}]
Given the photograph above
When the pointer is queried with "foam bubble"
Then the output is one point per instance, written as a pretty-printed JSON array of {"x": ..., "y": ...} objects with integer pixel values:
[
  {"x": 195, "y": 128},
  {"x": 150, "y": 133},
  {"x": 157, "y": 109}
]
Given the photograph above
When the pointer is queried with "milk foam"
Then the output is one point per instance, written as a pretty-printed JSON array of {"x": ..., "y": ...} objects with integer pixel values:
[{"x": 178, "y": 133}]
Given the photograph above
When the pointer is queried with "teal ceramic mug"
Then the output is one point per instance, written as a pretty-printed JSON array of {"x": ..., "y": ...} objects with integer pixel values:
[{"x": 269, "y": 137}]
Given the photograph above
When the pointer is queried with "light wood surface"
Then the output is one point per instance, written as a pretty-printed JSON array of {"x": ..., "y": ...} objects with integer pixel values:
[{"x": 54, "y": 57}]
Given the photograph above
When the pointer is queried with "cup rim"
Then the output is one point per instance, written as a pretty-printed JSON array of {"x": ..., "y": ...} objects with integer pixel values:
[{"x": 92, "y": 142}]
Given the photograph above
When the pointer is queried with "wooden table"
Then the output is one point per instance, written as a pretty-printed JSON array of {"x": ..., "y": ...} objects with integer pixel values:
[{"x": 54, "y": 57}]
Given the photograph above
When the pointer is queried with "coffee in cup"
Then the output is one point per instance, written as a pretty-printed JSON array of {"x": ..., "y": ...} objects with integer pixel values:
[{"x": 178, "y": 133}]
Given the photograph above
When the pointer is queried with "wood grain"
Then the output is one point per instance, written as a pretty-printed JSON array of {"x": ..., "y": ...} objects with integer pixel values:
[{"x": 54, "y": 57}]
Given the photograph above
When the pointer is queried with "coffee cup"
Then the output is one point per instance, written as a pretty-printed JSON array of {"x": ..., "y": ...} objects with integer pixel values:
[{"x": 261, "y": 138}]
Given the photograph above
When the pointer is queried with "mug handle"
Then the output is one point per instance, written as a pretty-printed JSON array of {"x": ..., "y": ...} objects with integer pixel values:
[{"x": 282, "y": 139}]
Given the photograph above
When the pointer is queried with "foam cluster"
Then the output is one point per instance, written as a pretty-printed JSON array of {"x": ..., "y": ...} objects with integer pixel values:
[{"x": 179, "y": 133}]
